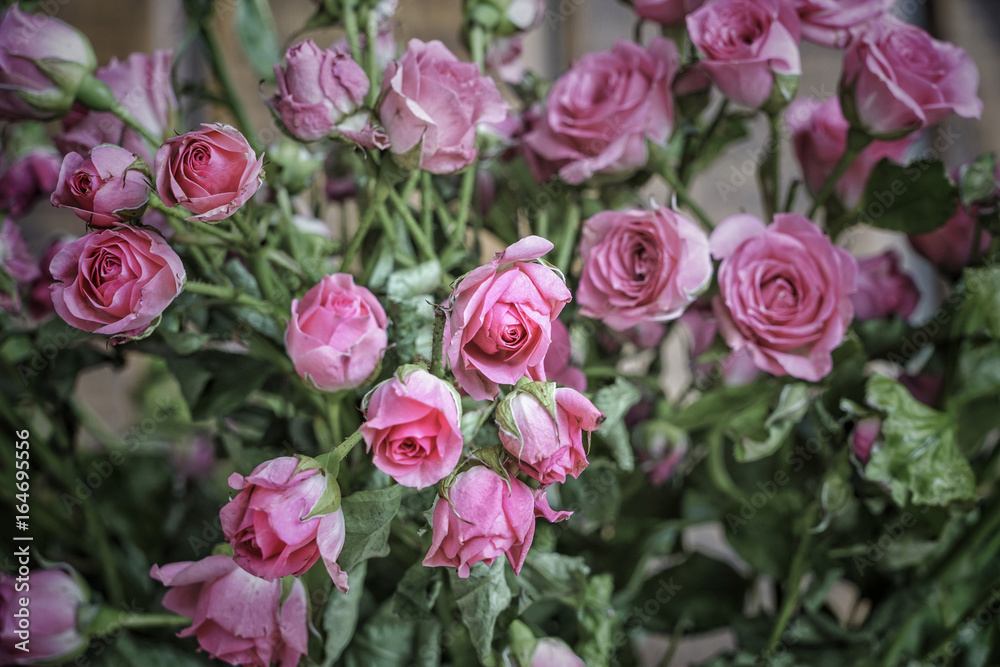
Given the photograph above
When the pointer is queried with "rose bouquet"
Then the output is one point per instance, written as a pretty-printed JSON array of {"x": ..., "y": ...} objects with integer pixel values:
[{"x": 452, "y": 365}]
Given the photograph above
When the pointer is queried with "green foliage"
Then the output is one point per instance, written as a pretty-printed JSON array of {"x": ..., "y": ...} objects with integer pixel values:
[{"x": 915, "y": 198}]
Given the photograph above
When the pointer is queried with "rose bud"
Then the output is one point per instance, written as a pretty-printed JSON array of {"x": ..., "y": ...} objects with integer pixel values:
[
  {"x": 866, "y": 432},
  {"x": 237, "y": 617},
  {"x": 107, "y": 189},
  {"x": 53, "y": 597},
  {"x": 950, "y": 247},
  {"x": 17, "y": 266},
  {"x": 29, "y": 178},
  {"x": 431, "y": 105},
  {"x": 601, "y": 112},
  {"x": 285, "y": 517},
  {"x": 784, "y": 293},
  {"x": 413, "y": 427},
  {"x": 884, "y": 289},
  {"x": 542, "y": 427},
  {"x": 40, "y": 290},
  {"x": 509, "y": 17},
  {"x": 499, "y": 325},
  {"x": 43, "y": 64},
  {"x": 550, "y": 652},
  {"x": 836, "y": 23},
  {"x": 115, "y": 281},
  {"x": 337, "y": 334},
  {"x": 557, "y": 360},
  {"x": 745, "y": 45},
  {"x": 484, "y": 517},
  {"x": 666, "y": 12},
  {"x": 888, "y": 92},
  {"x": 641, "y": 266},
  {"x": 211, "y": 172},
  {"x": 141, "y": 83}
]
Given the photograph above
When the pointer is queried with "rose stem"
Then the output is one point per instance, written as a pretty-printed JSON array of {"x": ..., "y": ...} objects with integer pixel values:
[
  {"x": 717, "y": 466},
  {"x": 122, "y": 112},
  {"x": 422, "y": 242},
  {"x": 465, "y": 203},
  {"x": 793, "y": 586},
  {"x": 351, "y": 27},
  {"x": 388, "y": 177},
  {"x": 426, "y": 207},
  {"x": 857, "y": 140},
  {"x": 568, "y": 242},
  {"x": 672, "y": 179},
  {"x": 228, "y": 294},
  {"x": 770, "y": 172},
  {"x": 437, "y": 343},
  {"x": 229, "y": 92},
  {"x": 374, "y": 76}
]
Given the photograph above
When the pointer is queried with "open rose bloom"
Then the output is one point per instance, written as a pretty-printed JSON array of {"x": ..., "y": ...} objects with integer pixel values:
[{"x": 108, "y": 188}]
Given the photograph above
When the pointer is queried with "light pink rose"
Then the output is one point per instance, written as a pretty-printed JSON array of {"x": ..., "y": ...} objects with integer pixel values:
[
  {"x": 115, "y": 281},
  {"x": 551, "y": 652},
  {"x": 486, "y": 518},
  {"x": 666, "y": 12},
  {"x": 29, "y": 178},
  {"x": 819, "y": 135},
  {"x": 54, "y": 599},
  {"x": 43, "y": 61},
  {"x": 503, "y": 56},
  {"x": 641, "y": 266},
  {"x": 106, "y": 189},
  {"x": 142, "y": 84},
  {"x": 237, "y": 617},
  {"x": 499, "y": 325},
  {"x": 784, "y": 293},
  {"x": 599, "y": 115},
  {"x": 949, "y": 247},
  {"x": 211, "y": 172},
  {"x": 557, "y": 360},
  {"x": 744, "y": 44},
  {"x": 413, "y": 427},
  {"x": 898, "y": 79},
  {"x": 863, "y": 437},
  {"x": 884, "y": 289},
  {"x": 280, "y": 522},
  {"x": 337, "y": 334},
  {"x": 546, "y": 438},
  {"x": 431, "y": 104},
  {"x": 836, "y": 23}
]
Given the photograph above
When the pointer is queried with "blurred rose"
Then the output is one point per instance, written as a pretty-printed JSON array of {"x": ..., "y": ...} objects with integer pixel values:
[
  {"x": 884, "y": 289},
  {"x": 54, "y": 598},
  {"x": 18, "y": 265},
  {"x": 666, "y": 12},
  {"x": 29, "y": 178},
  {"x": 836, "y": 23},
  {"x": 949, "y": 247},
  {"x": 40, "y": 292},
  {"x": 863, "y": 438},
  {"x": 557, "y": 360},
  {"x": 106, "y": 189}
]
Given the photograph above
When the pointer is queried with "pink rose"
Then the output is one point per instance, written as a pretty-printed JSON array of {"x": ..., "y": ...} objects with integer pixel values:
[
  {"x": 542, "y": 428},
  {"x": 950, "y": 247},
  {"x": 557, "y": 360},
  {"x": 599, "y": 115},
  {"x": 784, "y": 293},
  {"x": 898, "y": 79},
  {"x": 43, "y": 62},
  {"x": 40, "y": 291},
  {"x": 16, "y": 263},
  {"x": 237, "y": 617},
  {"x": 499, "y": 326},
  {"x": 280, "y": 522},
  {"x": 641, "y": 266},
  {"x": 142, "y": 84},
  {"x": 551, "y": 652},
  {"x": 431, "y": 104},
  {"x": 503, "y": 56},
  {"x": 337, "y": 334},
  {"x": 863, "y": 437},
  {"x": 115, "y": 281},
  {"x": 744, "y": 44},
  {"x": 413, "y": 427},
  {"x": 836, "y": 23},
  {"x": 54, "y": 598},
  {"x": 106, "y": 189},
  {"x": 819, "y": 134},
  {"x": 884, "y": 289},
  {"x": 485, "y": 517},
  {"x": 666, "y": 12},
  {"x": 29, "y": 178},
  {"x": 212, "y": 172}
]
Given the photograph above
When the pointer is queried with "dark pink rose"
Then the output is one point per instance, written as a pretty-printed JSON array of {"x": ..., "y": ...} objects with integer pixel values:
[
  {"x": 483, "y": 518},
  {"x": 43, "y": 62},
  {"x": 557, "y": 360},
  {"x": 280, "y": 523},
  {"x": 413, "y": 427},
  {"x": 16, "y": 263},
  {"x": 337, "y": 334},
  {"x": 744, "y": 44},
  {"x": 837, "y": 23},
  {"x": 40, "y": 292},
  {"x": 819, "y": 134},
  {"x": 863, "y": 437},
  {"x": 142, "y": 84},
  {"x": 29, "y": 178},
  {"x": 431, "y": 105},
  {"x": 51, "y": 634},
  {"x": 898, "y": 79},
  {"x": 950, "y": 247},
  {"x": 115, "y": 281},
  {"x": 211, "y": 172},
  {"x": 542, "y": 428},
  {"x": 107, "y": 189},
  {"x": 666, "y": 12},
  {"x": 925, "y": 387},
  {"x": 237, "y": 617},
  {"x": 884, "y": 289},
  {"x": 784, "y": 293},
  {"x": 499, "y": 325},
  {"x": 599, "y": 115},
  {"x": 641, "y": 266}
]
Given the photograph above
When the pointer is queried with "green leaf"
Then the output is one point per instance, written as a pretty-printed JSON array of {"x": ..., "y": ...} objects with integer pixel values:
[
  {"x": 792, "y": 406},
  {"x": 417, "y": 592},
  {"x": 615, "y": 401},
  {"x": 419, "y": 280},
  {"x": 553, "y": 576},
  {"x": 383, "y": 640},
  {"x": 597, "y": 622},
  {"x": 725, "y": 400},
  {"x": 732, "y": 128},
  {"x": 255, "y": 27},
  {"x": 980, "y": 313},
  {"x": 481, "y": 597},
  {"x": 920, "y": 460},
  {"x": 916, "y": 198},
  {"x": 979, "y": 181},
  {"x": 340, "y": 616},
  {"x": 367, "y": 515}
]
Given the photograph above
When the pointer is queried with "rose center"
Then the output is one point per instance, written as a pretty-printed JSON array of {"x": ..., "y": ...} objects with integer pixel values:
[
  {"x": 780, "y": 293},
  {"x": 106, "y": 268},
  {"x": 81, "y": 184},
  {"x": 512, "y": 334}
]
